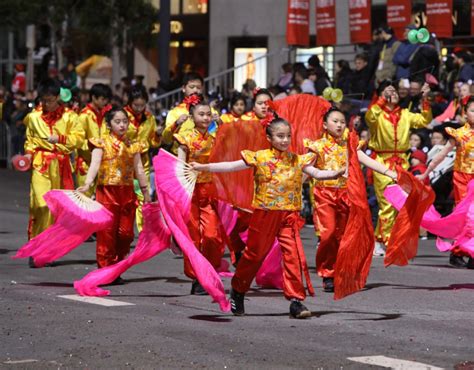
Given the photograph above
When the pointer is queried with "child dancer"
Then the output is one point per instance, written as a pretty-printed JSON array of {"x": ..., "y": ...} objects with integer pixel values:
[
  {"x": 389, "y": 127},
  {"x": 143, "y": 129},
  {"x": 278, "y": 176},
  {"x": 52, "y": 133},
  {"x": 331, "y": 200},
  {"x": 463, "y": 139},
  {"x": 204, "y": 226},
  {"x": 178, "y": 120},
  {"x": 92, "y": 120},
  {"x": 237, "y": 109},
  {"x": 117, "y": 161}
]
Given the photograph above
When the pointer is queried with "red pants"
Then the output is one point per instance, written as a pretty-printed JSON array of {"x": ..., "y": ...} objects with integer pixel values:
[
  {"x": 113, "y": 243},
  {"x": 205, "y": 228},
  {"x": 242, "y": 224},
  {"x": 331, "y": 208},
  {"x": 460, "y": 181},
  {"x": 264, "y": 227}
]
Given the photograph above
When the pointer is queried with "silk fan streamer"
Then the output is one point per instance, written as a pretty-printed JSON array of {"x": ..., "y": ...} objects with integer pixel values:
[
  {"x": 76, "y": 216},
  {"x": 175, "y": 177},
  {"x": 153, "y": 239},
  {"x": 458, "y": 225},
  {"x": 175, "y": 204},
  {"x": 357, "y": 244},
  {"x": 403, "y": 242},
  {"x": 305, "y": 114}
]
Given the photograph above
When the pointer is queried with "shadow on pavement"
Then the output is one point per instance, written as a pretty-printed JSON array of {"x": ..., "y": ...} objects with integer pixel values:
[
  {"x": 73, "y": 262},
  {"x": 168, "y": 279}
]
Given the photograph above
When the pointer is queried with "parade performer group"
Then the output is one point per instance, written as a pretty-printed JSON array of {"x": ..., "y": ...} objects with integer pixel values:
[{"x": 112, "y": 146}]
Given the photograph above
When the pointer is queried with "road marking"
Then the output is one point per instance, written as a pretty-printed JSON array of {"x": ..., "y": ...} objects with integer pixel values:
[
  {"x": 96, "y": 300},
  {"x": 394, "y": 363},
  {"x": 12, "y": 362}
]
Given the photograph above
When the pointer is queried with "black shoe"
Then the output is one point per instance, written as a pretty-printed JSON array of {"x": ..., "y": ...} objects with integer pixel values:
[
  {"x": 298, "y": 310},
  {"x": 237, "y": 303},
  {"x": 197, "y": 289},
  {"x": 238, "y": 256},
  {"x": 457, "y": 261},
  {"x": 31, "y": 263},
  {"x": 118, "y": 281},
  {"x": 470, "y": 263},
  {"x": 328, "y": 284},
  {"x": 90, "y": 239}
]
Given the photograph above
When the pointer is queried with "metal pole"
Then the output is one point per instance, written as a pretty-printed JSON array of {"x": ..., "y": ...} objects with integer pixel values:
[
  {"x": 164, "y": 38},
  {"x": 10, "y": 56},
  {"x": 30, "y": 44}
]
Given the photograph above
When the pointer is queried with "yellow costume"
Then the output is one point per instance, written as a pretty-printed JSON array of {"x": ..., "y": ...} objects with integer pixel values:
[
  {"x": 51, "y": 167},
  {"x": 390, "y": 140},
  {"x": 93, "y": 124},
  {"x": 171, "y": 128},
  {"x": 273, "y": 170},
  {"x": 142, "y": 129},
  {"x": 230, "y": 118}
]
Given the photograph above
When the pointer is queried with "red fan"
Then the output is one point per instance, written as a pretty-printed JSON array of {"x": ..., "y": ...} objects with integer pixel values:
[
  {"x": 305, "y": 114},
  {"x": 77, "y": 217},
  {"x": 236, "y": 188},
  {"x": 21, "y": 162}
]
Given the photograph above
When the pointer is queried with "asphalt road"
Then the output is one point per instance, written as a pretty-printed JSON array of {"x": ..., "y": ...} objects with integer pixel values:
[{"x": 421, "y": 313}]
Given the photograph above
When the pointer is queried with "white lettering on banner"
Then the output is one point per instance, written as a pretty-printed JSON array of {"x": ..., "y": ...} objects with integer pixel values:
[
  {"x": 299, "y": 4},
  {"x": 354, "y": 4},
  {"x": 437, "y": 8},
  {"x": 324, "y": 3}
]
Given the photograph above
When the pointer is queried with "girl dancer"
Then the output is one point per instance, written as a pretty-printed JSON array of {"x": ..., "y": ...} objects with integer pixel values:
[
  {"x": 237, "y": 109},
  {"x": 278, "y": 176},
  {"x": 204, "y": 226},
  {"x": 117, "y": 161},
  {"x": 331, "y": 200}
]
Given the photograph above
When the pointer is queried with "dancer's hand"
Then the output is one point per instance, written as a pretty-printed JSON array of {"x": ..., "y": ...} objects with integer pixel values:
[
  {"x": 146, "y": 197},
  {"x": 425, "y": 90},
  {"x": 182, "y": 118},
  {"x": 421, "y": 177},
  {"x": 199, "y": 166},
  {"x": 392, "y": 174},
  {"x": 84, "y": 188}
]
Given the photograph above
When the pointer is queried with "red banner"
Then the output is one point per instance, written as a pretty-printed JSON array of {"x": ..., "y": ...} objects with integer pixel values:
[
  {"x": 297, "y": 23},
  {"x": 359, "y": 21},
  {"x": 326, "y": 22},
  {"x": 439, "y": 14},
  {"x": 398, "y": 16},
  {"x": 472, "y": 17}
]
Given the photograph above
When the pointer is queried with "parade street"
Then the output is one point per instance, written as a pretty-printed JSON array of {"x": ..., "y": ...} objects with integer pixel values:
[{"x": 418, "y": 316}]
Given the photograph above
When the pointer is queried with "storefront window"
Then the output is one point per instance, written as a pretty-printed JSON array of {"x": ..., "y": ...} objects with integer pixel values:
[
  {"x": 194, "y": 6},
  {"x": 250, "y": 69},
  {"x": 325, "y": 54}
]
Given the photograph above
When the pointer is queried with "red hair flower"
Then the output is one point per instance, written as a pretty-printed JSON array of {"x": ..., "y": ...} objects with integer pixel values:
[
  {"x": 255, "y": 91},
  {"x": 191, "y": 100},
  {"x": 269, "y": 117}
]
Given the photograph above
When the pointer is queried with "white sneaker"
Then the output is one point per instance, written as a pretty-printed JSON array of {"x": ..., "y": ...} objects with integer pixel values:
[{"x": 379, "y": 249}]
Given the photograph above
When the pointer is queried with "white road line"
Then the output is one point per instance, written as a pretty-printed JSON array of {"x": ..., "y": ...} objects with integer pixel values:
[
  {"x": 96, "y": 300},
  {"x": 394, "y": 363},
  {"x": 13, "y": 362}
]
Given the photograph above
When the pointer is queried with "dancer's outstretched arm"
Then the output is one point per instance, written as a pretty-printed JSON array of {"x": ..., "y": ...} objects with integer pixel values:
[
  {"x": 438, "y": 158},
  {"x": 93, "y": 170},
  {"x": 376, "y": 166},
  {"x": 220, "y": 166},
  {"x": 323, "y": 174}
]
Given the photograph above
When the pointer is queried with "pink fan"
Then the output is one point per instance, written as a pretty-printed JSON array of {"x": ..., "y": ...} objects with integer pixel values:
[
  {"x": 154, "y": 238},
  {"x": 77, "y": 217},
  {"x": 173, "y": 176}
]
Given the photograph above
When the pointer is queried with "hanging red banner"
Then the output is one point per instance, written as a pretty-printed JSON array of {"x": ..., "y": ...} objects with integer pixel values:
[
  {"x": 359, "y": 21},
  {"x": 326, "y": 22},
  {"x": 472, "y": 17},
  {"x": 439, "y": 14},
  {"x": 398, "y": 16},
  {"x": 297, "y": 23}
]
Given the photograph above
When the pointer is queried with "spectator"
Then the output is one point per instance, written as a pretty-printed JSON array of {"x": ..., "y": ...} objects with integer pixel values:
[
  {"x": 287, "y": 77},
  {"x": 463, "y": 60},
  {"x": 404, "y": 54},
  {"x": 301, "y": 79},
  {"x": 18, "y": 129},
  {"x": 343, "y": 77},
  {"x": 361, "y": 82},
  {"x": 19, "y": 81},
  {"x": 321, "y": 77},
  {"x": 416, "y": 84},
  {"x": 425, "y": 59},
  {"x": 454, "y": 110},
  {"x": 294, "y": 91},
  {"x": 404, "y": 92},
  {"x": 386, "y": 69},
  {"x": 374, "y": 51}
]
